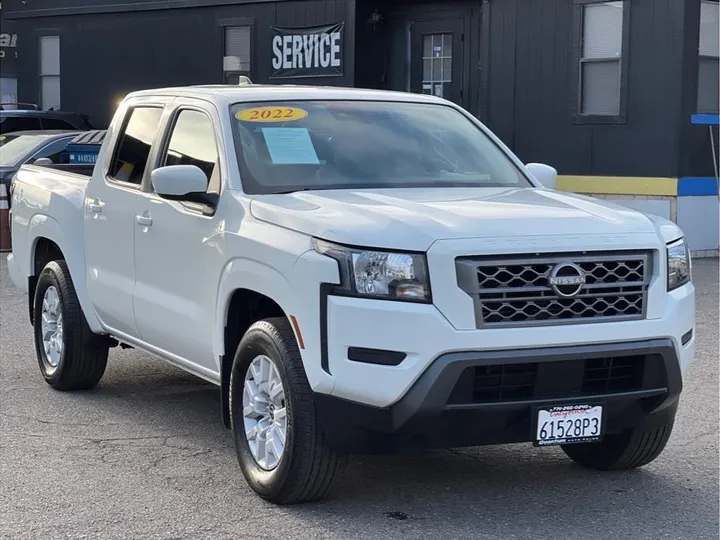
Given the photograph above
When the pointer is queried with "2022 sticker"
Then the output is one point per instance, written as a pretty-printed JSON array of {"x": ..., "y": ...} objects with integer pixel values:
[{"x": 271, "y": 114}]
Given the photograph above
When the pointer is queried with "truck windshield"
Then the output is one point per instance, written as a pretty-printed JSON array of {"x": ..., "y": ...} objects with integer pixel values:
[
  {"x": 307, "y": 145},
  {"x": 14, "y": 148}
]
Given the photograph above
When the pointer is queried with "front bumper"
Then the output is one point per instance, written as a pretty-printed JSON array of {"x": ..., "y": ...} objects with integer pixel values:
[
  {"x": 422, "y": 334},
  {"x": 442, "y": 410}
]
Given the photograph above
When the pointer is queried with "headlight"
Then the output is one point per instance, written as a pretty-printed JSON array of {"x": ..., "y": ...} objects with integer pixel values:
[
  {"x": 678, "y": 264},
  {"x": 379, "y": 274}
]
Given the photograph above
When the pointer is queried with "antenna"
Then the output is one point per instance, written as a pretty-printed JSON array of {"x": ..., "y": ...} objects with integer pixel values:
[{"x": 244, "y": 80}]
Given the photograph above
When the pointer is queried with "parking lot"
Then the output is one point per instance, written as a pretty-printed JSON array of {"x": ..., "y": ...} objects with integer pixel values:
[{"x": 145, "y": 456}]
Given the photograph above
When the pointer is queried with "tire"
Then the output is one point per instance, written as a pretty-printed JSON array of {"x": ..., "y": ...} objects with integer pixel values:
[
  {"x": 629, "y": 450},
  {"x": 80, "y": 362},
  {"x": 307, "y": 466}
]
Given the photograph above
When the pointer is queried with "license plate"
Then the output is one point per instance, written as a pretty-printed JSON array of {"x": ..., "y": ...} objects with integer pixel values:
[{"x": 568, "y": 424}]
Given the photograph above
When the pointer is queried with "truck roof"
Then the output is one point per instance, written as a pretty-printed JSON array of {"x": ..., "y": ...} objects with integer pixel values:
[{"x": 260, "y": 92}]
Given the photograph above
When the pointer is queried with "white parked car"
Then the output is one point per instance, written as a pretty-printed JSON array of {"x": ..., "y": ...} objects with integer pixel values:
[{"x": 359, "y": 271}]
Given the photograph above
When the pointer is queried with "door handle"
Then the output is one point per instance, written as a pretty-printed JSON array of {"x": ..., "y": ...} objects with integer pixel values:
[
  {"x": 144, "y": 221},
  {"x": 95, "y": 207}
]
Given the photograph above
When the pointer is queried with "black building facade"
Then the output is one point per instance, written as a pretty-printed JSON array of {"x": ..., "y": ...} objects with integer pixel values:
[{"x": 596, "y": 88}]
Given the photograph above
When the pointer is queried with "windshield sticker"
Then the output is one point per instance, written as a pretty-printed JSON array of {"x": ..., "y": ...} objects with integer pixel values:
[
  {"x": 290, "y": 146},
  {"x": 271, "y": 114}
]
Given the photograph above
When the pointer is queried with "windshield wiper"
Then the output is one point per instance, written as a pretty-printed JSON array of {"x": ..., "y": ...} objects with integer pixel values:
[{"x": 288, "y": 191}]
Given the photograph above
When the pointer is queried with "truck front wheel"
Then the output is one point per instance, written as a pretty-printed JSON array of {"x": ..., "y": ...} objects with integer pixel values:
[
  {"x": 70, "y": 356},
  {"x": 279, "y": 441},
  {"x": 629, "y": 450}
]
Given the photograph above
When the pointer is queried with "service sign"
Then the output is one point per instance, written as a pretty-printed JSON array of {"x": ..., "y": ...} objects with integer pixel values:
[{"x": 315, "y": 51}]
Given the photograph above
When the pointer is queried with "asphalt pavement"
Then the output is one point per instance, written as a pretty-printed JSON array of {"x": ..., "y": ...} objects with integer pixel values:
[{"x": 145, "y": 456}]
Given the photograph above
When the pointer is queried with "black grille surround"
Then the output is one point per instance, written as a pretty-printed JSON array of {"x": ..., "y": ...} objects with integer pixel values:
[
  {"x": 517, "y": 290},
  {"x": 507, "y": 383}
]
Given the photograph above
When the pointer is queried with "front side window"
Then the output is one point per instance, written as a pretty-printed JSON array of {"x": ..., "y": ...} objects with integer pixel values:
[
  {"x": 193, "y": 143},
  {"x": 133, "y": 145},
  {"x": 290, "y": 146},
  {"x": 601, "y": 58},
  {"x": 50, "y": 72},
  {"x": 709, "y": 51}
]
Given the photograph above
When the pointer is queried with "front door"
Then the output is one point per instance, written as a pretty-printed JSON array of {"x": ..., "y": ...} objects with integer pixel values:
[
  {"x": 436, "y": 59},
  {"x": 178, "y": 248}
]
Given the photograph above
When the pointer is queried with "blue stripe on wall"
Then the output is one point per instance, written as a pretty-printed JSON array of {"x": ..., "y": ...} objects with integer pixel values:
[
  {"x": 706, "y": 119},
  {"x": 690, "y": 186}
]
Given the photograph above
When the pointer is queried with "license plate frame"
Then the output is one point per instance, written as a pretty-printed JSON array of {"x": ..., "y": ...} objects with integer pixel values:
[{"x": 569, "y": 410}]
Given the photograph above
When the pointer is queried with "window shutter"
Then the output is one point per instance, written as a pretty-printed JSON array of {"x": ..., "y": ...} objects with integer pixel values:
[
  {"x": 708, "y": 87},
  {"x": 237, "y": 49},
  {"x": 600, "y": 63},
  {"x": 50, "y": 55},
  {"x": 50, "y": 92},
  {"x": 602, "y": 30},
  {"x": 708, "y": 62},
  {"x": 601, "y": 88},
  {"x": 709, "y": 32}
]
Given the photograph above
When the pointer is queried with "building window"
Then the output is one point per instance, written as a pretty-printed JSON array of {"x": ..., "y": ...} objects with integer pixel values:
[
  {"x": 8, "y": 92},
  {"x": 601, "y": 58},
  {"x": 50, "y": 72},
  {"x": 237, "y": 57},
  {"x": 708, "y": 62}
]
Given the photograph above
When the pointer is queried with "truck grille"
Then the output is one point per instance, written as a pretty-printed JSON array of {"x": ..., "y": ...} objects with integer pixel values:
[
  {"x": 572, "y": 288},
  {"x": 502, "y": 383}
]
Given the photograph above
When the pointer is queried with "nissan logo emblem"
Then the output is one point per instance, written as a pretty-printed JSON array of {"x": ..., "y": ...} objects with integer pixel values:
[{"x": 567, "y": 279}]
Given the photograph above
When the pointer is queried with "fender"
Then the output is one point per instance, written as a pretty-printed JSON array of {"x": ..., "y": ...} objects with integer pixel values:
[
  {"x": 252, "y": 275},
  {"x": 263, "y": 279},
  {"x": 73, "y": 248}
]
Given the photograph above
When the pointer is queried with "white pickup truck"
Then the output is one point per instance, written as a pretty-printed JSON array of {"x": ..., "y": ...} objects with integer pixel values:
[{"x": 358, "y": 271}]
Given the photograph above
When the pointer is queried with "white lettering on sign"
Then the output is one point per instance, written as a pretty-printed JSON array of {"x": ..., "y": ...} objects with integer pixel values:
[
  {"x": 8, "y": 40},
  {"x": 306, "y": 51},
  {"x": 335, "y": 49},
  {"x": 325, "y": 54}
]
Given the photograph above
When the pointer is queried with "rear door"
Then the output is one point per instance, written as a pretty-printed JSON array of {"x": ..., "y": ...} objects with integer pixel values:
[{"x": 110, "y": 204}]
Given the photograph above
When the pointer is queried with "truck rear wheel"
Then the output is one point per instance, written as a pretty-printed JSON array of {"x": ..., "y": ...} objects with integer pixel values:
[
  {"x": 623, "y": 451},
  {"x": 279, "y": 441},
  {"x": 70, "y": 356}
]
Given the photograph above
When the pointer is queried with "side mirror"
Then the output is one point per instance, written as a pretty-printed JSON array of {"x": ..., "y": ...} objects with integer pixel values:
[
  {"x": 546, "y": 175},
  {"x": 43, "y": 162},
  {"x": 176, "y": 181}
]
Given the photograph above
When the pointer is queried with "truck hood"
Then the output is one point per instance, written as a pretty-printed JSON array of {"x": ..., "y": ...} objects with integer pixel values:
[{"x": 414, "y": 218}]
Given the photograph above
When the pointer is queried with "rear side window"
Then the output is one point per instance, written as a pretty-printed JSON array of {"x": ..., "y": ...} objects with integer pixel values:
[
  {"x": 133, "y": 146},
  {"x": 193, "y": 143},
  {"x": 18, "y": 123}
]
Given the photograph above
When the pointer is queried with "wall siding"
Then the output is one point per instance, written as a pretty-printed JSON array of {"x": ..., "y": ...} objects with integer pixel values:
[
  {"x": 531, "y": 78},
  {"x": 106, "y": 55}
]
